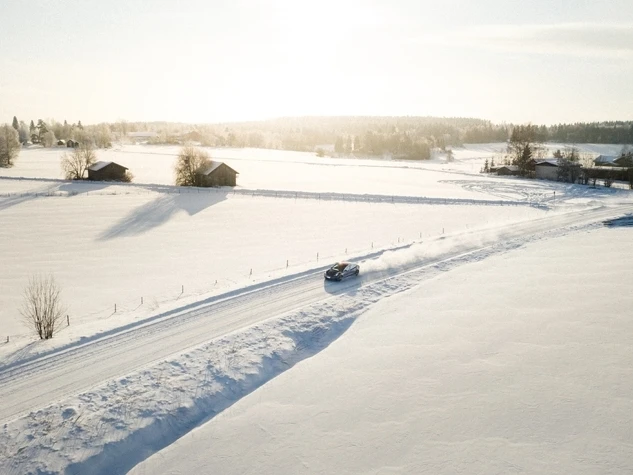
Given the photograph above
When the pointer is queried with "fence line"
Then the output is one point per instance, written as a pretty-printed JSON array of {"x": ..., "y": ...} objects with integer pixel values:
[
  {"x": 306, "y": 195},
  {"x": 133, "y": 304}
]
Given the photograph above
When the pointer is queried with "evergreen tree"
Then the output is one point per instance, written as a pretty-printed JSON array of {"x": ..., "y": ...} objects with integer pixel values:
[
  {"x": 524, "y": 142},
  {"x": 486, "y": 167},
  {"x": 79, "y": 125},
  {"x": 41, "y": 126},
  {"x": 16, "y": 124},
  {"x": 32, "y": 128}
]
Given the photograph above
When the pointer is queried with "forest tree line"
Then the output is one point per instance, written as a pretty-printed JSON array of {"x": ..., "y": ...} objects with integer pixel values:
[{"x": 403, "y": 137}]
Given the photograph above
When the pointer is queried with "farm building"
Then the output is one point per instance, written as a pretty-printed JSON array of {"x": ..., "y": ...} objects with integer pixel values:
[
  {"x": 72, "y": 143},
  {"x": 547, "y": 169},
  {"x": 141, "y": 137},
  {"x": 508, "y": 170},
  {"x": 61, "y": 143},
  {"x": 107, "y": 171},
  {"x": 218, "y": 174},
  {"x": 604, "y": 160},
  {"x": 625, "y": 160}
]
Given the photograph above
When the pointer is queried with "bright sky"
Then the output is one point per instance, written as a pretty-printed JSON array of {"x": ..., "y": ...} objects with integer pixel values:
[{"x": 544, "y": 61}]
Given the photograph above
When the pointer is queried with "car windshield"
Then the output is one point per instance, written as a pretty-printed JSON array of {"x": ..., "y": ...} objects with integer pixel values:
[{"x": 339, "y": 267}]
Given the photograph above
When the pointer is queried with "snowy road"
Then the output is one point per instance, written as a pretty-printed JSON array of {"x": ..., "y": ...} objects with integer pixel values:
[{"x": 34, "y": 383}]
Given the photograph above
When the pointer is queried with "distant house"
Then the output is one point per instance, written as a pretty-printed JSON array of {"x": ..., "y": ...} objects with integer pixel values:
[
  {"x": 61, "y": 142},
  {"x": 546, "y": 169},
  {"x": 141, "y": 137},
  {"x": 107, "y": 171},
  {"x": 604, "y": 160},
  {"x": 508, "y": 170},
  {"x": 549, "y": 170},
  {"x": 624, "y": 160},
  {"x": 72, "y": 143},
  {"x": 218, "y": 174}
]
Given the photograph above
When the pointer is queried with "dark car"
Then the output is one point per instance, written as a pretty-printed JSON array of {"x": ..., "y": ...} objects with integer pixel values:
[{"x": 342, "y": 270}]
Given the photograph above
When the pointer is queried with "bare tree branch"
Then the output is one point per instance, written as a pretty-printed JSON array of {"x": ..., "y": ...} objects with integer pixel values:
[
  {"x": 190, "y": 161},
  {"x": 76, "y": 164},
  {"x": 42, "y": 308}
]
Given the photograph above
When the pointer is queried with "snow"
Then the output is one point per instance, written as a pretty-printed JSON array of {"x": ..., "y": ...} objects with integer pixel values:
[
  {"x": 294, "y": 171},
  {"x": 121, "y": 244},
  {"x": 98, "y": 166},
  {"x": 223, "y": 322},
  {"x": 528, "y": 371}
]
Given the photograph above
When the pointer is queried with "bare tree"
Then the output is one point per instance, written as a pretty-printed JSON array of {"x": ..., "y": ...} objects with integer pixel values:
[
  {"x": 9, "y": 145},
  {"x": 76, "y": 164},
  {"x": 190, "y": 161},
  {"x": 42, "y": 308}
]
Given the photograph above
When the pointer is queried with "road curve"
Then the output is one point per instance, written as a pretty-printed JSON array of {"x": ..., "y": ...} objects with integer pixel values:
[{"x": 39, "y": 381}]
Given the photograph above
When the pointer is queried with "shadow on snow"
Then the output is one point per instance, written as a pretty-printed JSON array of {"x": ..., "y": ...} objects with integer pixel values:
[{"x": 159, "y": 211}]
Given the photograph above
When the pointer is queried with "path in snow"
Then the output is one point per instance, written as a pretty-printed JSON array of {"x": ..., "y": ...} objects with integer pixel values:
[{"x": 79, "y": 366}]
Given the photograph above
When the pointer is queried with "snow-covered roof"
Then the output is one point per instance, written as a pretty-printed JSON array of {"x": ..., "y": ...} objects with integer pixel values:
[
  {"x": 101, "y": 164},
  {"x": 605, "y": 159},
  {"x": 550, "y": 162},
  {"x": 513, "y": 168},
  {"x": 214, "y": 166},
  {"x": 98, "y": 166}
]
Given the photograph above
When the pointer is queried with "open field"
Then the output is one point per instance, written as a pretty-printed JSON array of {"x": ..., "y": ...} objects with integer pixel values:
[{"x": 220, "y": 291}]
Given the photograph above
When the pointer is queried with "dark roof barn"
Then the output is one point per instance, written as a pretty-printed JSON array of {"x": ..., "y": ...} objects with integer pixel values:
[
  {"x": 218, "y": 174},
  {"x": 107, "y": 171}
]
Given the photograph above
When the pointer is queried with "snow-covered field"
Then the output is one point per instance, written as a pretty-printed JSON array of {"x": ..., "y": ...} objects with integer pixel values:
[
  {"x": 219, "y": 291},
  {"x": 520, "y": 363},
  {"x": 298, "y": 171}
]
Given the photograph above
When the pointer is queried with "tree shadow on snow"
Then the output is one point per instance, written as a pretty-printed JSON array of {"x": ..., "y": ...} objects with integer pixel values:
[
  {"x": 73, "y": 188},
  {"x": 160, "y": 211},
  {"x": 13, "y": 199}
]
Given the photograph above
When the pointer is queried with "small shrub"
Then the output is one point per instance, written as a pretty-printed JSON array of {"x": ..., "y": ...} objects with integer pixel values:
[
  {"x": 42, "y": 308},
  {"x": 128, "y": 177}
]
